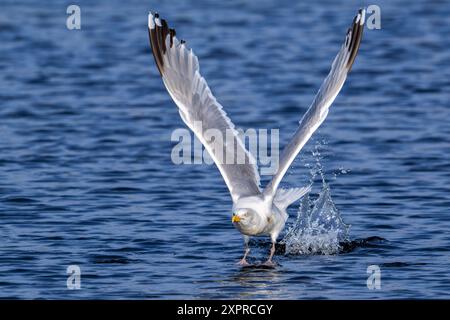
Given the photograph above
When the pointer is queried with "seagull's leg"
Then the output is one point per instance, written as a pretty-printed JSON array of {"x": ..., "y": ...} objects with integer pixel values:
[
  {"x": 269, "y": 261},
  {"x": 243, "y": 261}
]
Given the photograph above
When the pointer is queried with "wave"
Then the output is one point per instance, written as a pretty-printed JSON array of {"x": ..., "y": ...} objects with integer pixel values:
[{"x": 319, "y": 228}]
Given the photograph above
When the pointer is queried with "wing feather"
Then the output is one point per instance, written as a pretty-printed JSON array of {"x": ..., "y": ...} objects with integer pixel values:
[
  {"x": 318, "y": 110},
  {"x": 199, "y": 109}
]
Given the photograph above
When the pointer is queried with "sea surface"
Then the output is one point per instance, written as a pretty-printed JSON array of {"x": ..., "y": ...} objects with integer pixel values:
[{"x": 87, "y": 180}]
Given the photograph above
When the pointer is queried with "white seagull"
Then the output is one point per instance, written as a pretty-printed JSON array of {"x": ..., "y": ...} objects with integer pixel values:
[{"x": 256, "y": 212}]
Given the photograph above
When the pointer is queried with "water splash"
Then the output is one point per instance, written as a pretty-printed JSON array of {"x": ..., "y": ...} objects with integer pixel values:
[{"x": 319, "y": 228}]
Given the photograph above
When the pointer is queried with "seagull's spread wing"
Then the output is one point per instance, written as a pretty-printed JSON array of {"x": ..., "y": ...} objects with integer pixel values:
[
  {"x": 318, "y": 110},
  {"x": 200, "y": 110}
]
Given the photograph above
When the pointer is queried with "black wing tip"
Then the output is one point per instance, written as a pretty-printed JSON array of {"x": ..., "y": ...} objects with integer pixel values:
[
  {"x": 158, "y": 32},
  {"x": 354, "y": 36},
  {"x": 157, "y": 28}
]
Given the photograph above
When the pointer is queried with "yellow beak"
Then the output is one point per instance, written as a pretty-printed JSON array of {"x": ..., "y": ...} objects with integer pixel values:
[{"x": 235, "y": 219}]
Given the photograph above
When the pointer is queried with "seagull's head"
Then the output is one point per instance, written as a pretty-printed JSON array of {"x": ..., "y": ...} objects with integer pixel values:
[{"x": 243, "y": 217}]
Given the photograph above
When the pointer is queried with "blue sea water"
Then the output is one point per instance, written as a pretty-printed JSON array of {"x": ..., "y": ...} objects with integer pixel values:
[{"x": 86, "y": 176}]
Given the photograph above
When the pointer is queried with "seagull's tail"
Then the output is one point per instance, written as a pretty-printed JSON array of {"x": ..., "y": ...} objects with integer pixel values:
[{"x": 285, "y": 197}]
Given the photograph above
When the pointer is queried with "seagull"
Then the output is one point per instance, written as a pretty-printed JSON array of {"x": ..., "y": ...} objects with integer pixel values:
[{"x": 255, "y": 211}]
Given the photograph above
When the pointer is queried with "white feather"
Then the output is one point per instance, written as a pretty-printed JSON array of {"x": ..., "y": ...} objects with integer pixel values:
[{"x": 151, "y": 24}]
